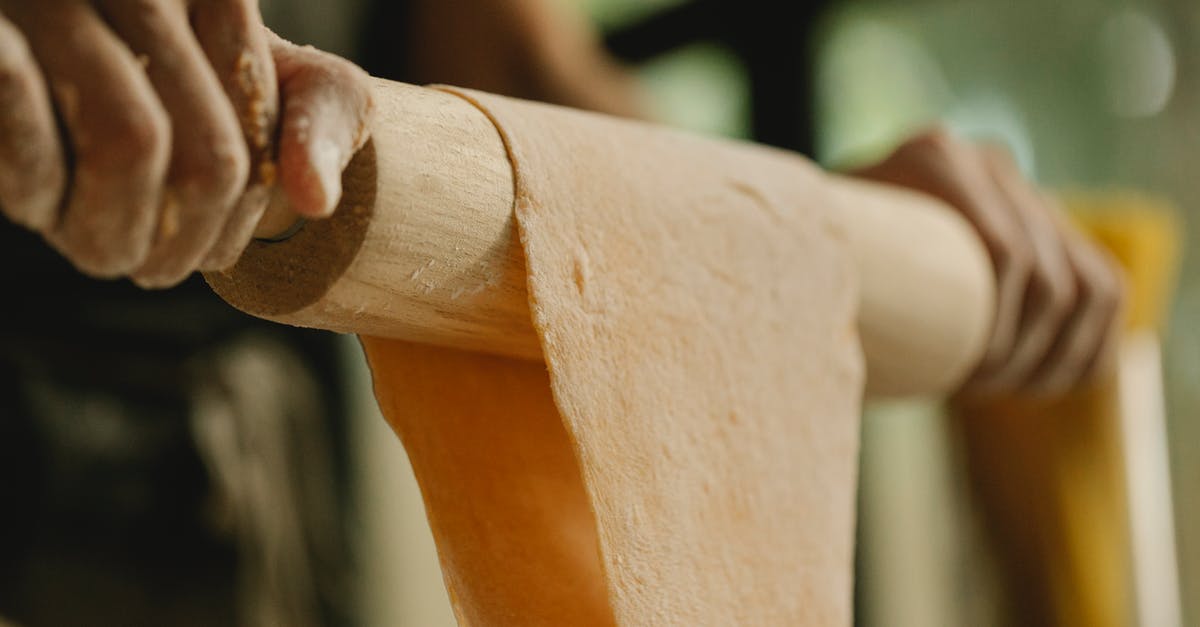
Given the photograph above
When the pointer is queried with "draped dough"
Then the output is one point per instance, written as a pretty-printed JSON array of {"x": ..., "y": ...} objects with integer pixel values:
[{"x": 687, "y": 454}]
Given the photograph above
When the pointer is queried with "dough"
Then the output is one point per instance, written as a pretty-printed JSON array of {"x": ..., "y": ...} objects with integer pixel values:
[
  {"x": 507, "y": 507},
  {"x": 690, "y": 456}
]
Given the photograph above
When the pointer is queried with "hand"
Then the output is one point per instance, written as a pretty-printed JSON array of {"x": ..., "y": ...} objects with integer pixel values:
[
  {"x": 1058, "y": 295},
  {"x": 169, "y": 112}
]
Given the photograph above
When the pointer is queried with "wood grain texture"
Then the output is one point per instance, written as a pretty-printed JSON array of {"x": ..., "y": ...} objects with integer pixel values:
[
  {"x": 422, "y": 247},
  {"x": 427, "y": 252}
]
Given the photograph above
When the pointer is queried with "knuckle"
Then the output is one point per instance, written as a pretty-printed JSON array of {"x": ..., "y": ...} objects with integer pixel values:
[
  {"x": 158, "y": 279},
  {"x": 220, "y": 259},
  {"x": 1102, "y": 300},
  {"x": 146, "y": 137},
  {"x": 33, "y": 206},
  {"x": 226, "y": 252},
  {"x": 1115, "y": 280},
  {"x": 936, "y": 140},
  {"x": 94, "y": 257},
  {"x": 14, "y": 52},
  {"x": 935, "y": 135},
  {"x": 14, "y": 66},
  {"x": 1056, "y": 288},
  {"x": 134, "y": 142},
  {"x": 1106, "y": 286},
  {"x": 18, "y": 72},
  {"x": 219, "y": 178},
  {"x": 921, "y": 147},
  {"x": 1119, "y": 290},
  {"x": 1111, "y": 295},
  {"x": 153, "y": 279},
  {"x": 1014, "y": 256},
  {"x": 915, "y": 162}
]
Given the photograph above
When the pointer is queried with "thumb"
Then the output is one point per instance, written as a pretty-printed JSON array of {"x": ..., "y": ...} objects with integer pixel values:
[{"x": 326, "y": 110}]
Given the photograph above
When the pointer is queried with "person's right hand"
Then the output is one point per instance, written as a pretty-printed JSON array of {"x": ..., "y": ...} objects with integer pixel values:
[
  {"x": 167, "y": 108},
  {"x": 137, "y": 135}
]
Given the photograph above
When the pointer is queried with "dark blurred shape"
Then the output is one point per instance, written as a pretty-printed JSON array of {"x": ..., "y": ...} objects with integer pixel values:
[
  {"x": 114, "y": 512},
  {"x": 771, "y": 38}
]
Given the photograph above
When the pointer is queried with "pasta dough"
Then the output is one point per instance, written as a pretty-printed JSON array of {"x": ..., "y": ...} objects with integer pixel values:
[{"x": 689, "y": 458}]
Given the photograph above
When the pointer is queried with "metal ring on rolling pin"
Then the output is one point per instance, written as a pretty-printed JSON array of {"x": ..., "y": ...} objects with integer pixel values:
[{"x": 286, "y": 235}]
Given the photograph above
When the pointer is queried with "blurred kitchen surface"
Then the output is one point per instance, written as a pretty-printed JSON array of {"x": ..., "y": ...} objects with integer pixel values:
[{"x": 1090, "y": 95}]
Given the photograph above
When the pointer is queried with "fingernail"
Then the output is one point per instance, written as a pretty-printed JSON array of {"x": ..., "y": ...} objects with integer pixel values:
[{"x": 327, "y": 165}]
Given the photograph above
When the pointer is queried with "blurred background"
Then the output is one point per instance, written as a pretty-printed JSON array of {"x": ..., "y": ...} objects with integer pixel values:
[{"x": 241, "y": 475}]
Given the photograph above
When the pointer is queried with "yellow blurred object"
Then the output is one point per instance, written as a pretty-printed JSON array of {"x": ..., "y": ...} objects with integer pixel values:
[
  {"x": 1052, "y": 478},
  {"x": 1143, "y": 233}
]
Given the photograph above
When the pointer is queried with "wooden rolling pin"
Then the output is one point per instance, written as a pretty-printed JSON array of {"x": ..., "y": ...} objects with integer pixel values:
[{"x": 424, "y": 248}]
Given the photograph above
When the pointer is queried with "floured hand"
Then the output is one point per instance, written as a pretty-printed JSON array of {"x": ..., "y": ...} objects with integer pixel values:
[
  {"x": 140, "y": 138},
  {"x": 1058, "y": 294}
]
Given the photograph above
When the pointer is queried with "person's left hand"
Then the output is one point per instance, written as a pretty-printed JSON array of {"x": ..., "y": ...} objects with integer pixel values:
[{"x": 1058, "y": 294}]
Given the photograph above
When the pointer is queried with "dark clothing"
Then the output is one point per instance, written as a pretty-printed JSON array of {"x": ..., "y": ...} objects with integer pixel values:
[{"x": 111, "y": 512}]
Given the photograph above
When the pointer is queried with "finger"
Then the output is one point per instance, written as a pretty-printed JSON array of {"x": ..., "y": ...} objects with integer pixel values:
[
  {"x": 239, "y": 229},
  {"x": 941, "y": 166},
  {"x": 234, "y": 39},
  {"x": 327, "y": 105},
  {"x": 1050, "y": 292},
  {"x": 209, "y": 159},
  {"x": 32, "y": 167},
  {"x": 327, "y": 108},
  {"x": 119, "y": 135},
  {"x": 1090, "y": 334}
]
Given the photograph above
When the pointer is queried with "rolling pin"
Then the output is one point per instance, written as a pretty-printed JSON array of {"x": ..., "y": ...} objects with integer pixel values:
[{"x": 424, "y": 247}]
